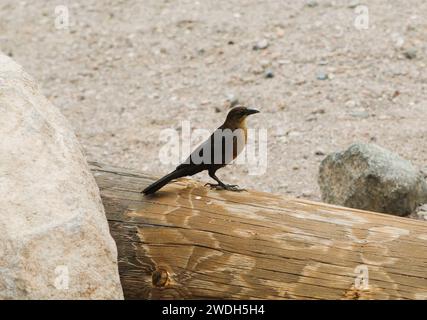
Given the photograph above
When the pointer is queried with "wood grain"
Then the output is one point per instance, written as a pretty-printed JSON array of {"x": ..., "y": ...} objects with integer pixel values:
[{"x": 190, "y": 242}]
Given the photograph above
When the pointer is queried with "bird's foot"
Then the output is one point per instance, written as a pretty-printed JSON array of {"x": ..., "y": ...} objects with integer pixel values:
[
  {"x": 229, "y": 187},
  {"x": 233, "y": 187},
  {"x": 213, "y": 185}
]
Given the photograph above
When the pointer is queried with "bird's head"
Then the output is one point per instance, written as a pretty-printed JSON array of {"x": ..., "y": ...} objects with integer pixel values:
[{"x": 239, "y": 114}]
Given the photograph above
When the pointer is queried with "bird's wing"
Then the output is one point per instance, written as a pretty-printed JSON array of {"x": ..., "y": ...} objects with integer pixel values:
[
  {"x": 196, "y": 158},
  {"x": 219, "y": 149}
]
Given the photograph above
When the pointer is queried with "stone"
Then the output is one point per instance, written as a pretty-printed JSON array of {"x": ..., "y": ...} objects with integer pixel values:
[
  {"x": 398, "y": 40},
  {"x": 232, "y": 100},
  {"x": 258, "y": 69},
  {"x": 353, "y": 4},
  {"x": 410, "y": 53},
  {"x": 269, "y": 74},
  {"x": 261, "y": 45},
  {"x": 312, "y": 3},
  {"x": 351, "y": 104},
  {"x": 368, "y": 177},
  {"x": 362, "y": 114},
  {"x": 319, "y": 111},
  {"x": 322, "y": 76},
  {"x": 265, "y": 63},
  {"x": 55, "y": 241},
  {"x": 319, "y": 152}
]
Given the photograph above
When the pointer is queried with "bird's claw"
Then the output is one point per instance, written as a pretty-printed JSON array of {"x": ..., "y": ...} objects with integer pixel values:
[
  {"x": 229, "y": 187},
  {"x": 234, "y": 187}
]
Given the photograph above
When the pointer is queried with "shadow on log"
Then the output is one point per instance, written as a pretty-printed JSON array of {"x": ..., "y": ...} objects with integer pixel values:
[{"x": 189, "y": 242}]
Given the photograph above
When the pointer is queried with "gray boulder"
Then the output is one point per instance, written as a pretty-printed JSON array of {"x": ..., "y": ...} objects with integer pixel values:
[
  {"x": 366, "y": 176},
  {"x": 54, "y": 237}
]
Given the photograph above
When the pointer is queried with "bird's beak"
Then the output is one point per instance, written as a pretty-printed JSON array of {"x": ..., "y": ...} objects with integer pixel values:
[{"x": 251, "y": 111}]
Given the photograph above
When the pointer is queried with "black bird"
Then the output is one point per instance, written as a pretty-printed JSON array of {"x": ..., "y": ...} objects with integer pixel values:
[{"x": 222, "y": 147}]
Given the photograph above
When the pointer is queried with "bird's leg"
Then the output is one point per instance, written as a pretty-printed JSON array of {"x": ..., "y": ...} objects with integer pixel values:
[{"x": 221, "y": 185}]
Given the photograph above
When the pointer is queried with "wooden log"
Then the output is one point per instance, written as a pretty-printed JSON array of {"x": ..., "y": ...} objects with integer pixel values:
[{"x": 190, "y": 242}]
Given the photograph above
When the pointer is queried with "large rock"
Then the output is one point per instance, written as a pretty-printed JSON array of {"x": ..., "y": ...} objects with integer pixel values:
[
  {"x": 366, "y": 176},
  {"x": 54, "y": 237}
]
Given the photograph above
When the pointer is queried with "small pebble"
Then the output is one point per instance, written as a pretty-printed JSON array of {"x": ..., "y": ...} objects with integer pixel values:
[
  {"x": 322, "y": 76},
  {"x": 351, "y": 104},
  {"x": 280, "y": 32},
  {"x": 319, "y": 111},
  {"x": 257, "y": 70},
  {"x": 299, "y": 82},
  {"x": 398, "y": 40},
  {"x": 353, "y": 4},
  {"x": 264, "y": 63},
  {"x": 396, "y": 93},
  {"x": 410, "y": 54},
  {"x": 360, "y": 114},
  {"x": 319, "y": 153},
  {"x": 312, "y": 3},
  {"x": 269, "y": 74},
  {"x": 260, "y": 45},
  {"x": 232, "y": 100}
]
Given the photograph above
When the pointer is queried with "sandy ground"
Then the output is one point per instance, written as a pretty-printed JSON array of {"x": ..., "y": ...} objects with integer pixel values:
[{"x": 126, "y": 70}]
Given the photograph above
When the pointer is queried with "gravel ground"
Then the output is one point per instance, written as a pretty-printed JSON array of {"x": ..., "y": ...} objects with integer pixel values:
[{"x": 125, "y": 70}]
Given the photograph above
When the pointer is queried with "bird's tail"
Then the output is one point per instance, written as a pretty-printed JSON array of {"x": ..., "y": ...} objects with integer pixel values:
[{"x": 163, "y": 181}]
